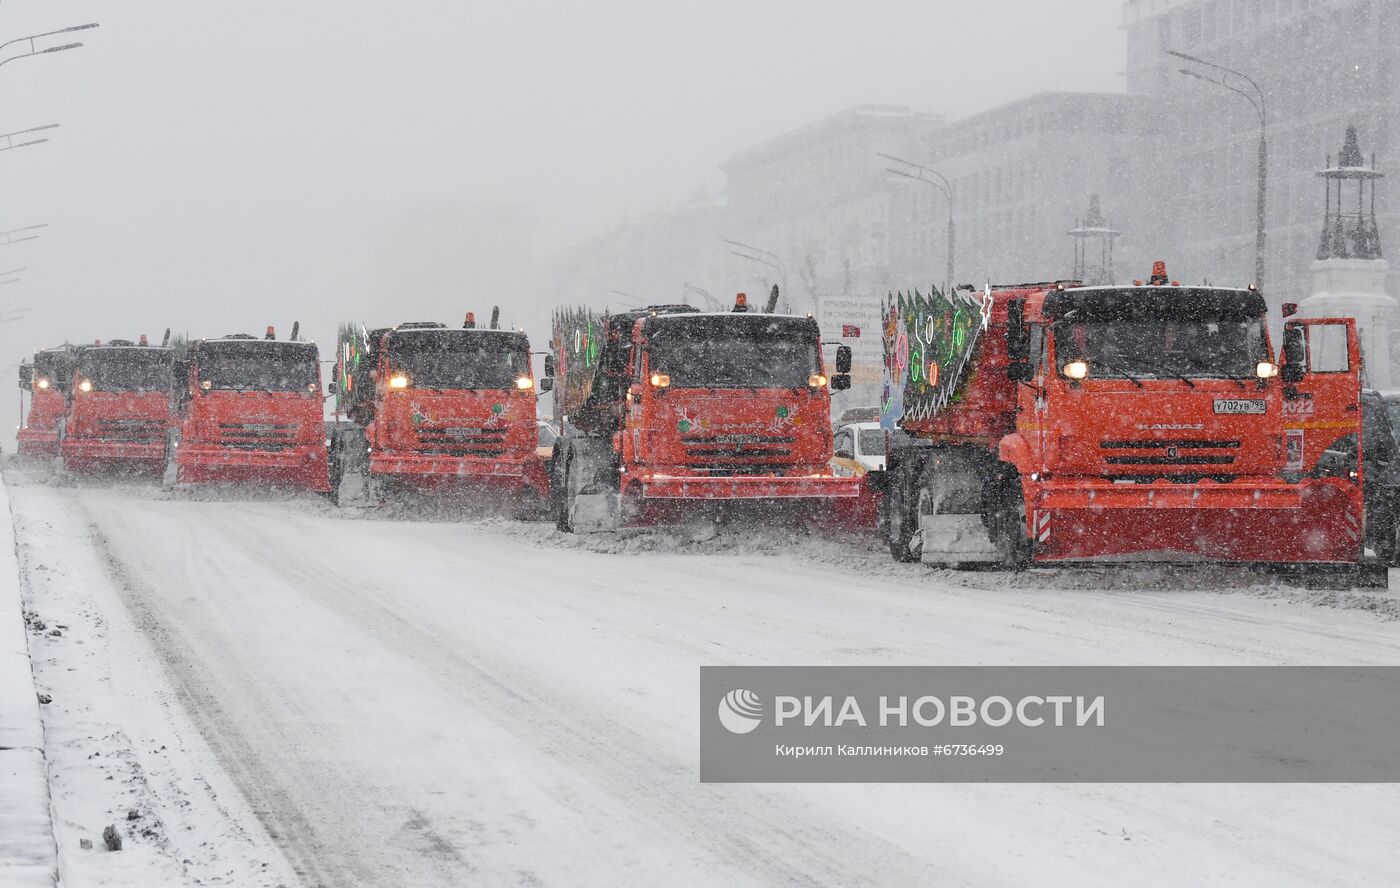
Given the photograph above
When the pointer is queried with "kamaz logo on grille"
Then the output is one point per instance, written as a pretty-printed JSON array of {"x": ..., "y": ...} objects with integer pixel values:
[
  {"x": 1171, "y": 427},
  {"x": 460, "y": 432}
]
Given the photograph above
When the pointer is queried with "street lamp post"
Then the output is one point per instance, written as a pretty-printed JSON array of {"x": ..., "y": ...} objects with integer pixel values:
[
  {"x": 945, "y": 187},
  {"x": 773, "y": 261},
  {"x": 710, "y": 301},
  {"x": 1257, "y": 102}
]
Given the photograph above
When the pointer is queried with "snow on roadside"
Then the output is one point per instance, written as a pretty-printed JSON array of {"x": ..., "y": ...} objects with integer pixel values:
[{"x": 120, "y": 748}]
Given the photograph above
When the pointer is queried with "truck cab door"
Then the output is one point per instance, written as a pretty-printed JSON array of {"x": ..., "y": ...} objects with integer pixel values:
[{"x": 1321, "y": 364}]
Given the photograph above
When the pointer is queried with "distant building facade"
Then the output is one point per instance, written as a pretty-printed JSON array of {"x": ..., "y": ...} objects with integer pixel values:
[
  {"x": 1022, "y": 175},
  {"x": 1322, "y": 64}
]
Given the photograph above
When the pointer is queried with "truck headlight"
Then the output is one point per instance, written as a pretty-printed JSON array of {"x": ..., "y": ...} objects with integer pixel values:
[
  {"x": 43, "y": 383},
  {"x": 85, "y": 386},
  {"x": 660, "y": 380},
  {"x": 398, "y": 381},
  {"x": 1266, "y": 369},
  {"x": 524, "y": 383},
  {"x": 1075, "y": 370},
  {"x": 816, "y": 380}
]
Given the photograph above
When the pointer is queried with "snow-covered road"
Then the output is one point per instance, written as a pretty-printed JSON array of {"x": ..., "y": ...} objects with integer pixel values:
[{"x": 399, "y": 702}]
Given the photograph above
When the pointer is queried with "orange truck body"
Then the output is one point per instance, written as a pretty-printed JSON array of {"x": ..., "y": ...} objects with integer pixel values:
[
  {"x": 431, "y": 406},
  {"x": 119, "y": 411},
  {"x": 251, "y": 412},
  {"x": 1039, "y": 444},
  {"x": 649, "y": 424},
  {"x": 47, "y": 380}
]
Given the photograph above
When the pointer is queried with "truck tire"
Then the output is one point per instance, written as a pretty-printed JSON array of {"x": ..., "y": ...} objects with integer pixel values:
[
  {"x": 900, "y": 508},
  {"x": 1008, "y": 523},
  {"x": 559, "y": 487}
]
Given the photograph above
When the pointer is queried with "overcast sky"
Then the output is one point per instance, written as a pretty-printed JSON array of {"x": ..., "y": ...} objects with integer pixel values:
[{"x": 223, "y": 165}]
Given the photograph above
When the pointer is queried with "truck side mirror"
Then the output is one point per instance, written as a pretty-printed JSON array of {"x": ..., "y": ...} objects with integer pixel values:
[
  {"x": 546, "y": 384},
  {"x": 841, "y": 381},
  {"x": 845, "y": 453},
  {"x": 1018, "y": 342},
  {"x": 548, "y": 367},
  {"x": 843, "y": 362},
  {"x": 331, "y": 387},
  {"x": 1295, "y": 354},
  {"x": 26, "y": 376}
]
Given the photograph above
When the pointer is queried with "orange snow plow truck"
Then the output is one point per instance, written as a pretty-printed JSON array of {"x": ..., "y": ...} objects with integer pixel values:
[
  {"x": 421, "y": 405},
  {"x": 250, "y": 410},
  {"x": 119, "y": 410},
  {"x": 47, "y": 379},
  {"x": 664, "y": 410},
  {"x": 1054, "y": 423}
]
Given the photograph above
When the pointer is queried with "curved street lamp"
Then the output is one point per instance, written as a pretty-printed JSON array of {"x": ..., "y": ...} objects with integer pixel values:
[
  {"x": 1256, "y": 99},
  {"x": 10, "y": 137},
  {"x": 770, "y": 259},
  {"x": 33, "y": 41},
  {"x": 9, "y": 236},
  {"x": 938, "y": 181}
]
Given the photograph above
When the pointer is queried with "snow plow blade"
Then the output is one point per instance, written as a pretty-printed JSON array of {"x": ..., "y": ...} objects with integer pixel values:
[
  {"x": 1312, "y": 523},
  {"x": 303, "y": 468}
]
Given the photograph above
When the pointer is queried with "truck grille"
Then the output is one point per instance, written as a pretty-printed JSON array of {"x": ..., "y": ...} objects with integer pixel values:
[
  {"x": 738, "y": 454},
  {"x": 462, "y": 441},
  {"x": 257, "y": 435},
  {"x": 136, "y": 431},
  {"x": 1171, "y": 452}
]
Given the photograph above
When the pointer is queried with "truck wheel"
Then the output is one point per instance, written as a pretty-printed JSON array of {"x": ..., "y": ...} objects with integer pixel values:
[
  {"x": 561, "y": 491},
  {"x": 901, "y": 511},
  {"x": 1009, "y": 525}
]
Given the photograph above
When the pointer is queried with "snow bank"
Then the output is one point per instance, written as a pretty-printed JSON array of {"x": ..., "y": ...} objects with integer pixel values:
[{"x": 28, "y": 854}]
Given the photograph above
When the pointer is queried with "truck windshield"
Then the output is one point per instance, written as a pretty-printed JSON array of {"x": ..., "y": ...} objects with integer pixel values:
[
  {"x": 1150, "y": 348},
  {"x": 739, "y": 351},
  {"x": 459, "y": 359},
  {"x": 258, "y": 366},
  {"x": 127, "y": 369}
]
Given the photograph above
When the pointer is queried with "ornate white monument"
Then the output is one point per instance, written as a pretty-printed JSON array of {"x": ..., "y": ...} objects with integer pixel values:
[{"x": 1348, "y": 278}]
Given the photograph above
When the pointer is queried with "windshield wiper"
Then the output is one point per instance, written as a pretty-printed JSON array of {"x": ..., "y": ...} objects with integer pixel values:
[
  {"x": 1184, "y": 378},
  {"x": 1126, "y": 375},
  {"x": 1237, "y": 381}
]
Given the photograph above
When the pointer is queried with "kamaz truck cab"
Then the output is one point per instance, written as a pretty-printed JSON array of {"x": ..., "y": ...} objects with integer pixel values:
[
  {"x": 250, "y": 411},
  {"x": 424, "y": 405},
  {"x": 1127, "y": 423},
  {"x": 48, "y": 379},
  {"x": 667, "y": 408},
  {"x": 119, "y": 412}
]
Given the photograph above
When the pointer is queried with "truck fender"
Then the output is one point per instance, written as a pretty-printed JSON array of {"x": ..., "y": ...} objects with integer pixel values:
[{"x": 1016, "y": 450}]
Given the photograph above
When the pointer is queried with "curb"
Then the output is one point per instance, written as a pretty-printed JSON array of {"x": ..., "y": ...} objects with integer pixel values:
[{"x": 28, "y": 850}]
